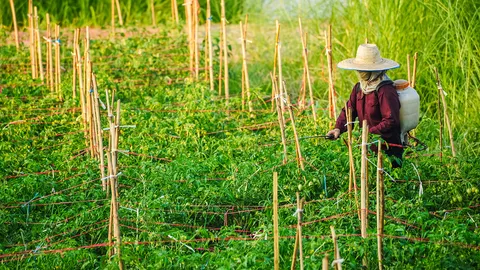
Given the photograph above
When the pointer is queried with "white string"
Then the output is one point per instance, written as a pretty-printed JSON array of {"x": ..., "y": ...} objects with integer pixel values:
[
  {"x": 367, "y": 144},
  {"x": 420, "y": 190},
  {"x": 348, "y": 123},
  {"x": 110, "y": 176},
  {"x": 339, "y": 261},
  {"x": 189, "y": 247},
  {"x": 297, "y": 211},
  {"x": 130, "y": 209},
  {"x": 382, "y": 170}
]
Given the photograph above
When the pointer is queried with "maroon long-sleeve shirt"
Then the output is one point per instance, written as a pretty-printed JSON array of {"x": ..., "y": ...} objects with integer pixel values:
[{"x": 381, "y": 110}]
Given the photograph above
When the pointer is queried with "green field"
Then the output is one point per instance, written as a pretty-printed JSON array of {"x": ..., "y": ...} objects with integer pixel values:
[{"x": 195, "y": 189}]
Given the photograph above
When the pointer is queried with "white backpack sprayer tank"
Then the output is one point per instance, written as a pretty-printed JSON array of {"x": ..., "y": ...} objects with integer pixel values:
[{"x": 409, "y": 108}]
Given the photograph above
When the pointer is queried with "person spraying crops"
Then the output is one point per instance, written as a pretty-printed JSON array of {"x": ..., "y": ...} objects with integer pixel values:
[{"x": 374, "y": 99}]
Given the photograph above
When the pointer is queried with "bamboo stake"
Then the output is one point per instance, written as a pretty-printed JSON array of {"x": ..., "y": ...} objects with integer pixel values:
[
  {"x": 15, "y": 27},
  {"x": 112, "y": 14},
  {"x": 299, "y": 229},
  {"x": 275, "y": 55},
  {"x": 336, "y": 251},
  {"x": 243, "y": 30},
  {"x": 414, "y": 75},
  {"x": 280, "y": 77},
  {"x": 38, "y": 45},
  {"x": 50, "y": 44},
  {"x": 380, "y": 205},
  {"x": 119, "y": 12},
  {"x": 276, "y": 243},
  {"x": 74, "y": 65},
  {"x": 152, "y": 8},
  {"x": 81, "y": 89},
  {"x": 440, "y": 122},
  {"x": 225, "y": 53},
  {"x": 99, "y": 134},
  {"x": 445, "y": 113},
  {"x": 408, "y": 70},
  {"x": 210, "y": 47},
  {"x": 325, "y": 264},
  {"x": 189, "y": 14},
  {"x": 364, "y": 180},
  {"x": 295, "y": 134},
  {"x": 175, "y": 11},
  {"x": 281, "y": 120},
  {"x": 352, "y": 174},
  {"x": 32, "y": 40},
  {"x": 307, "y": 71},
  {"x": 196, "y": 11},
  {"x": 57, "y": 60},
  {"x": 220, "y": 74},
  {"x": 295, "y": 251},
  {"x": 333, "y": 113}
]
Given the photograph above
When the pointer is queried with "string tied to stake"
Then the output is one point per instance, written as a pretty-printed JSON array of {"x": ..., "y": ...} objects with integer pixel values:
[{"x": 299, "y": 210}]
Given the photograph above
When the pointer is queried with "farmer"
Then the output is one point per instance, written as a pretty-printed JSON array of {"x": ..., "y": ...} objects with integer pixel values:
[{"x": 374, "y": 98}]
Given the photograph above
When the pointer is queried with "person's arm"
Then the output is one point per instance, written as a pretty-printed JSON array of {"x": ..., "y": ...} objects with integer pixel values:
[{"x": 390, "y": 110}]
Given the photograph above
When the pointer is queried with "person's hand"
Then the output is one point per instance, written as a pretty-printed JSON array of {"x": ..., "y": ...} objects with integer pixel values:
[{"x": 333, "y": 134}]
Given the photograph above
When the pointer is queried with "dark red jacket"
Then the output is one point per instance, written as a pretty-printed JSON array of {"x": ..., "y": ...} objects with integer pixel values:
[{"x": 381, "y": 110}]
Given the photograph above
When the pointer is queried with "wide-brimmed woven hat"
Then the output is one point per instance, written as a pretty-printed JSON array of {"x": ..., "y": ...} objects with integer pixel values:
[{"x": 368, "y": 59}]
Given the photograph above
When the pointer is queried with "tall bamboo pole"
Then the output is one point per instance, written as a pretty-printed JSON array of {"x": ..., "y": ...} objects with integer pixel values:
[
  {"x": 408, "y": 70},
  {"x": 333, "y": 113},
  {"x": 414, "y": 75},
  {"x": 299, "y": 228},
  {"x": 210, "y": 47},
  {"x": 364, "y": 180},
  {"x": 276, "y": 238},
  {"x": 295, "y": 134},
  {"x": 112, "y": 14},
  {"x": 275, "y": 55},
  {"x": 119, "y": 11},
  {"x": 325, "y": 264},
  {"x": 152, "y": 8},
  {"x": 380, "y": 205},
  {"x": 33, "y": 61},
  {"x": 352, "y": 176},
  {"x": 445, "y": 113},
  {"x": 74, "y": 64},
  {"x": 307, "y": 71},
  {"x": 336, "y": 251},
  {"x": 196, "y": 11},
  {"x": 280, "y": 77},
  {"x": 189, "y": 17},
  {"x": 281, "y": 120},
  {"x": 175, "y": 11},
  {"x": 50, "y": 44},
  {"x": 15, "y": 27},
  {"x": 225, "y": 52},
  {"x": 38, "y": 45},
  {"x": 243, "y": 31},
  {"x": 81, "y": 90},
  {"x": 57, "y": 61},
  {"x": 99, "y": 134}
]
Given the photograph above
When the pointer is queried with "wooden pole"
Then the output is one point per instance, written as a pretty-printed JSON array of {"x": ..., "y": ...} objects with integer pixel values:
[
  {"x": 364, "y": 181},
  {"x": 307, "y": 71},
  {"x": 414, "y": 75},
  {"x": 81, "y": 90},
  {"x": 408, "y": 70},
  {"x": 74, "y": 65},
  {"x": 175, "y": 11},
  {"x": 57, "y": 62},
  {"x": 280, "y": 77},
  {"x": 445, "y": 113},
  {"x": 38, "y": 45},
  {"x": 380, "y": 205},
  {"x": 281, "y": 120},
  {"x": 112, "y": 14},
  {"x": 299, "y": 228},
  {"x": 295, "y": 134},
  {"x": 152, "y": 8},
  {"x": 352, "y": 176},
  {"x": 189, "y": 14},
  {"x": 99, "y": 133},
  {"x": 440, "y": 122},
  {"x": 210, "y": 46},
  {"x": 196, "y": 11},
  {"x": 275, "y": 56},
  {"x": 333, "y": 113},
  {"x": 50, "y": 45},
  {"x": 15, "y": 27},
  {"x": 276, "y": 239},
  {"x": 243, "y": 31},
  {"x": 32, "y": 40},
  {"x": 225, "y": 53},
  {"x": 325, "y": 264},
  {"x": 119, "y": 12},
  {"x": 336, "y": 251}
]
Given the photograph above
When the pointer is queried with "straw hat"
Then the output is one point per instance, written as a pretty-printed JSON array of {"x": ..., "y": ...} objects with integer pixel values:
[{"x": 368, "y": 59}]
